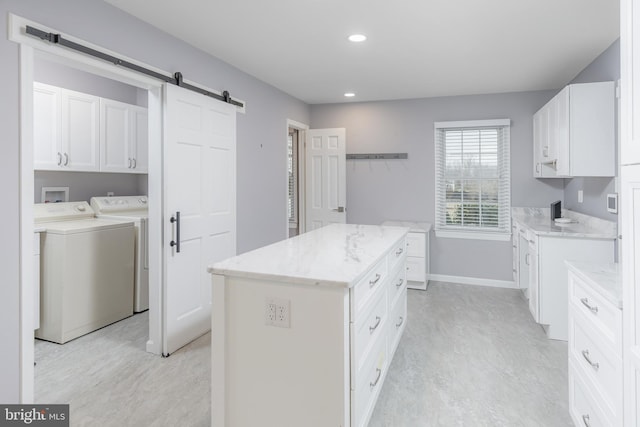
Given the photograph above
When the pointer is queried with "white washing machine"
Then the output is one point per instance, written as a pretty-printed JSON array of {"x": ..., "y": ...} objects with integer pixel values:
[
  {"x": 131, "y": 208},
  {"x": 86, "y": 270}
]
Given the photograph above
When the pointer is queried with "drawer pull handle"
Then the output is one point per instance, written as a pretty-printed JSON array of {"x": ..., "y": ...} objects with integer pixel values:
[
  {"x": 585, "y": 354},
  {"x": 400, "y": 323},
  {"x": 374, "y": 327},
  {"x": 585, "y": 420},
  {"x": 374, "y": 281},
  {"x": 585, "y": 302},
  {"x": 400, "y": 282},
  {"x": 375, "y": 383},
  {"x": 399, "y": 251}
]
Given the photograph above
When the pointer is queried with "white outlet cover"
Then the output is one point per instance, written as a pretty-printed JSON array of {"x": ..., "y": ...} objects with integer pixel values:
[
  {"x": 278, "y": 312},
  {"x": 580, "y": 196}
]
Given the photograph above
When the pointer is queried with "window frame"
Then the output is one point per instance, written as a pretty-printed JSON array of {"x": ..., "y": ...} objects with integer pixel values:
[{"x": 503, "y": 231}]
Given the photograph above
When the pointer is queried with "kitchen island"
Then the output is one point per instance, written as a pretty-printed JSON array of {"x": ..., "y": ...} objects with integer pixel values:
[{"x": 304, "y": 330}]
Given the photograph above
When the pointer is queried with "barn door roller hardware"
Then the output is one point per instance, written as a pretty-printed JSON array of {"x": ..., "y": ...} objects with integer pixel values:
[{"x": 176, "y": 79}]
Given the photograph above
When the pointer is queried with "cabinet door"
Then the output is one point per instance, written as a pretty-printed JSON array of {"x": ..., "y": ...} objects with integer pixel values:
[
  {"x": 537, "y": 147},
  {"x": 80, "y": 132},
  {"x": 534, "y": 283},
  {"x": 46, "y": 127},
  {"x": 561, "y": 150},
  {"x": 140, "y": 140},
  {"x": 115, "y": 136}
]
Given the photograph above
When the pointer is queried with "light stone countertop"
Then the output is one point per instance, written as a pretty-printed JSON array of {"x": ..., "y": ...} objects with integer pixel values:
[
  {"x": 337, "y": 255},
  {"x": 605, "y": 279},
  {"x": 414, "y": 227},
  {"x": 39, "y": 229},
  {"x": 538, "y": 220}
]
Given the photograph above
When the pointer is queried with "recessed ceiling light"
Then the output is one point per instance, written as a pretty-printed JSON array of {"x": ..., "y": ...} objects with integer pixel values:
[
  {"x": 356, "y": 38},
  {"x": 349, "y": 94}
]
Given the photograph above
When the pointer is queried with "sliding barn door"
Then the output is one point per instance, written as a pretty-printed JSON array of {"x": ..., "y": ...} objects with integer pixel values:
[
  {"x": 325, "y": 178},
  {"x": 199, "y": 211}
]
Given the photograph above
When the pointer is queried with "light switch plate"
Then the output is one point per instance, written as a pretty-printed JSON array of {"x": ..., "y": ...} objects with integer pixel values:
[{"x": 580, "y": 196}]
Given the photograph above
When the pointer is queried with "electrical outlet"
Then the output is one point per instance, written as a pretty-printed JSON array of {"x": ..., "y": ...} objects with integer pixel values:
[
  {"x": 110, "y": 193},
  {"x": 277, "y": 312},
  {"x": 270, "y": 313}
]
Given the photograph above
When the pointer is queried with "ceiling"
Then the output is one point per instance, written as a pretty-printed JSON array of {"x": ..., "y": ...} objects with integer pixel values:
[{"x": 415, "y": 48}]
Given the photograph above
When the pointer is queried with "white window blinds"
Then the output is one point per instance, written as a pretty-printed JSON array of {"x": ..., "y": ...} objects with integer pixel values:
[{"x": 473, "y": 191}]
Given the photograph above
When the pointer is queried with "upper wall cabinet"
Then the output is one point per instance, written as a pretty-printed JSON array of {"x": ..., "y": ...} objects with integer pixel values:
[
  {"x": 75, "y": 131},
  {"x": 574, "y": 133},
  {"x": 66, "y": 130},
  {"x": 123, "y": 137}
]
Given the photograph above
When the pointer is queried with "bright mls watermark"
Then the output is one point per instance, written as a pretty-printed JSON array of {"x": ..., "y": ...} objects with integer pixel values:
[{"x": 34, "y": 415}]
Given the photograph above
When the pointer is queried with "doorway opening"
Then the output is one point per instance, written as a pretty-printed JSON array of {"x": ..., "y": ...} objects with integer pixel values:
[
  {"x": 292, "y": 173},
  {"x": 296, "y": 133}
]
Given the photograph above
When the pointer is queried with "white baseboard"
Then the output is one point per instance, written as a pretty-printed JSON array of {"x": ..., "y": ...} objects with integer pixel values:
[{"x": 509, "y": 284}]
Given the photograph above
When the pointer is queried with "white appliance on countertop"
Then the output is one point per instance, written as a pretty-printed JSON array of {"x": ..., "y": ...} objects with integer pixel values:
[
  {"x": 131, "y": 208},
  {"x": 86, "y": 270}
]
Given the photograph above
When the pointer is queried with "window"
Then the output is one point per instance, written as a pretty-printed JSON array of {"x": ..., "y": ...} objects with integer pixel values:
[
  {"x": 292, "y": 168},
  {"x": 472, "y": 179}
]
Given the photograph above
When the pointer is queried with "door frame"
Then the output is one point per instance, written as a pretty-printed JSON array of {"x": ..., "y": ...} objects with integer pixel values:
[
  {"x": 29, "y": 47},
  {"x": 302, "y": 129}
]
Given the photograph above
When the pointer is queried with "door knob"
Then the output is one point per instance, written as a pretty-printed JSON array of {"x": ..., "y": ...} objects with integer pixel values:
[{"x": 340, "y": 209}]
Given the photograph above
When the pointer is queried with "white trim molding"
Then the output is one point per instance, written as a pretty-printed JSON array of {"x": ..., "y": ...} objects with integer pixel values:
[
  {"x": 477, "y": 235},
  {"x": 477, "y": 281},
  {"x": 472, "y": 123}
]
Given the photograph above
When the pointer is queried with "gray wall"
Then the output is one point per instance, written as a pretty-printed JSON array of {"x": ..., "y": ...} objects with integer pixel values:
[
  {"x": 404, "y": 189},
  {"x": 605, "y": 67},
  {"x": 84, "y": 185},
  {"x": 261, "y": 136},
  {"x": 56, "y": 74}
]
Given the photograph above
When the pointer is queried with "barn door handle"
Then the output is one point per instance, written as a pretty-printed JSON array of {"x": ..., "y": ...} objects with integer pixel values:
[{"x": 176, "y": 243}]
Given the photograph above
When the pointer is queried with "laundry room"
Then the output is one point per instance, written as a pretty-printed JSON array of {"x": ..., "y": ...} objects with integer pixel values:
[{"x": 90, "y": 208}]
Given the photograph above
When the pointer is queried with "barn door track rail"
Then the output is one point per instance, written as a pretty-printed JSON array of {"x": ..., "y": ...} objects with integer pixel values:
[{"x": 176, "y": 79}]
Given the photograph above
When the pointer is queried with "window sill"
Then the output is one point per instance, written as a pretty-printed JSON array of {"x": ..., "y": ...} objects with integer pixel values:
[{"x": 476, "y": 235}]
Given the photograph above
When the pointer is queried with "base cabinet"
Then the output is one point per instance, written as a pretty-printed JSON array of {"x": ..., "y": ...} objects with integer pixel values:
[
  {"x": 595, "y": 355},
  {"x": 326, "y": 368}
]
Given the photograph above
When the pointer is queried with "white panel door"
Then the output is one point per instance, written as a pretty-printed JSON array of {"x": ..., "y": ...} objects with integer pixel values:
[
  {"x": 325, "y": 180},
  {"x": 200, "y": 186}
]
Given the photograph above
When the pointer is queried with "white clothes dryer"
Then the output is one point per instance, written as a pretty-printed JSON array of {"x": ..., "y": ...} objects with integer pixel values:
[
  {"x": 131, "y": 208},
  {"x": 86, "y": 270}
]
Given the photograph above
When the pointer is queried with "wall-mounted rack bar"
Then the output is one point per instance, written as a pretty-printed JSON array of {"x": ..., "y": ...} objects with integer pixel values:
[{"x": 377, "y": 156}]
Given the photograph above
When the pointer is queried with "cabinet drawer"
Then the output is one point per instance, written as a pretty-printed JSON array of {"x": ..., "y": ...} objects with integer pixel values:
[
  {"x": 416, "y": 244},
  {"x": 368, "y": 328},
  {"x": 397, "y": 322},
  {"x": 415, "y": 269},
  {"x": 604, "y": 316},
  {"x": 582, "y": 404},
  {"x": 396, "y": 286},
  {"x": 397, "y": 254},
  {"x": 365, "y": 290},
  {"x": 597, "y": 361},
  {"x": 363, "y": 397}
]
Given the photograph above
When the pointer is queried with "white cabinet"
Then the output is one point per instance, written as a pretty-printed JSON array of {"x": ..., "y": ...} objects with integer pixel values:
[
  {"x": 75, "y": 131},
  {"x": 595, "y": 348},
  {"x": 66, "y": 129},
  {"x": 574, "y": 133},
  {"x": 630, "y": 204},
  {"x": 418, "y": 267},
  {"x": 328, "y": 366},
  {"x": 630, "y": 259},
  {"x": 123, "y": 137}
]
